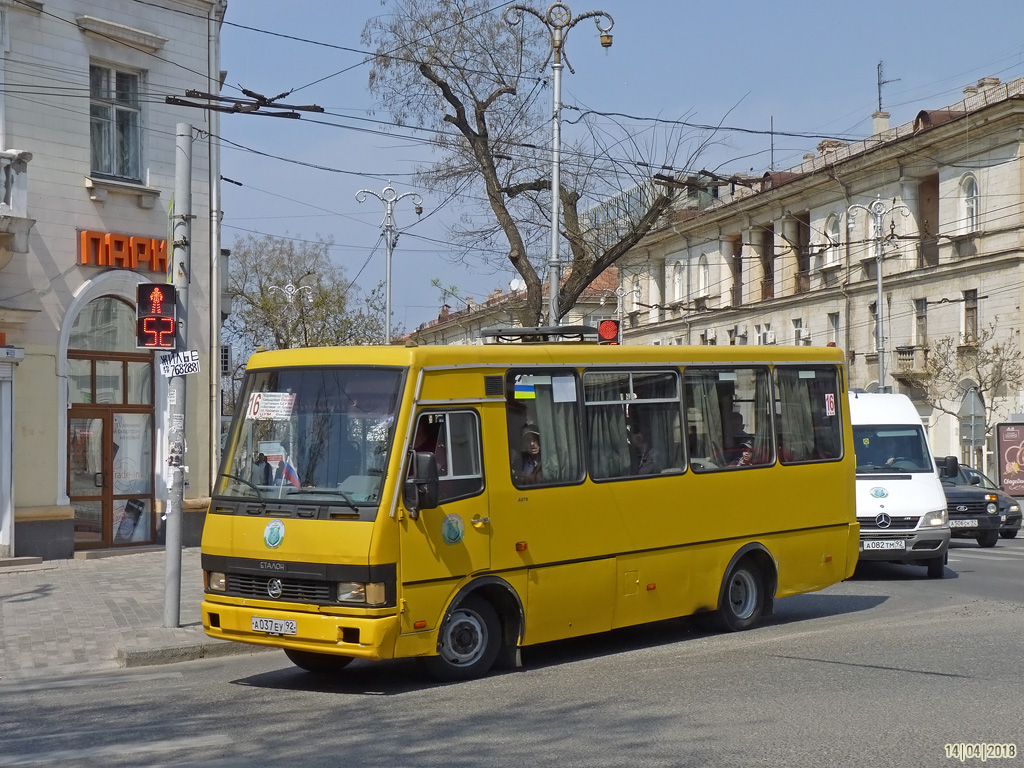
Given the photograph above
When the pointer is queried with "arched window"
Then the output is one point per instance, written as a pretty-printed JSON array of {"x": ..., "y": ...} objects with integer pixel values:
[
  {"x": 703, "y": 275},
  {"x": 678, "y": 281},
  {"x": 971, "y": 213},
  {"x": 634, "y": 295},
  {"x": 832, "y": 246}
]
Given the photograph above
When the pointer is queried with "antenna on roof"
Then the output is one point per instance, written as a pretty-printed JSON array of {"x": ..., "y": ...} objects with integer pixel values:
[{"x": 881, "y": 82}]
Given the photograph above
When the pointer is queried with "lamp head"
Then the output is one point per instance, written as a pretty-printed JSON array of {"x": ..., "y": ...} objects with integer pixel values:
[
  {"x": 606, "y": 39},
  {"x": 419, "y": 210}
]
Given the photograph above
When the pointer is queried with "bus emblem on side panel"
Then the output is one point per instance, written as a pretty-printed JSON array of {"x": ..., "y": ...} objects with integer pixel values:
[
  {"x": 273, "y": 534},
  {"x": 879, "y": 493},
  {"x": 452, "y": 529}
]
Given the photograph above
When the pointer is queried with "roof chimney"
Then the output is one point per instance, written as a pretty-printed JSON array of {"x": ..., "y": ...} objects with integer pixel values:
[{"x": 879, "y": 122}]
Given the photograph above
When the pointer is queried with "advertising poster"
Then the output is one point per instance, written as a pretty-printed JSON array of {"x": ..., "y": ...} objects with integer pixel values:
[{"x": 1010, "y": 452}]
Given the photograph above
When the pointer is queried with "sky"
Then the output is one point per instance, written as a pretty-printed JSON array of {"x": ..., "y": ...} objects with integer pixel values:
[{"x": 763, "y": 71}]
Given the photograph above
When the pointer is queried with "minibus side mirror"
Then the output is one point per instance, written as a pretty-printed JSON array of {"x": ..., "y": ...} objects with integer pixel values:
[
  {"x": 950, "y": 466},
  {"x": 420, "y": 490}
]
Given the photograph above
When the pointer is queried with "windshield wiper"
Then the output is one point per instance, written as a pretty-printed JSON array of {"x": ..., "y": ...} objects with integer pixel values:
[
  {"x": 263, "y": 502},
  {"x": 326, "y": 492}
]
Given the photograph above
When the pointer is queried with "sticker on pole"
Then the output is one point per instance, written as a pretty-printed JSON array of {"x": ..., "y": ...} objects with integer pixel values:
[
  {"x": 270, "y": 406},
  {"x": 180, "y": 364}
]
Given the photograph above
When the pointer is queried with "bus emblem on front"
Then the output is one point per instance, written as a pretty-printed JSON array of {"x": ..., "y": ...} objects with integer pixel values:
[{"x": 273, "y": 534}]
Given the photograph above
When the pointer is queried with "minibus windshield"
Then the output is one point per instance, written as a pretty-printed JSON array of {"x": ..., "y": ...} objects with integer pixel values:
[
  {"x": 892, "y": 449},
  {"x": 312, "y": 436}
]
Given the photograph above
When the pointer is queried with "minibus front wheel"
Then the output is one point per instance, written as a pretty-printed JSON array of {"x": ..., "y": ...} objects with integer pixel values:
[{"x": 468, "y": 643}]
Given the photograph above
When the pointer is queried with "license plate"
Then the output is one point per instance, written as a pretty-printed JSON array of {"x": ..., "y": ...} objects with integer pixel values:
[
  {"x": 963, "y": 523},
  {"x": 274, "y": 626},
  {"x": 884, "y": 544}
]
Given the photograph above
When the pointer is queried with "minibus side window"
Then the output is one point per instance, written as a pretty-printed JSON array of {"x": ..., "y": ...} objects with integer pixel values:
[
  {"x": 634, "y": 423},
  {"x": 807, "y": 414},
  {"x": 454, "y": 439},
  {"x": 728, "y": 418},
  {"x": 543, "y": 428}
]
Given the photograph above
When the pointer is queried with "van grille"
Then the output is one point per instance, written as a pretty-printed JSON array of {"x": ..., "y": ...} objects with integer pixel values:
[
  {"x": 292, "y": 590},
  {"x": 973, "y": 508}
]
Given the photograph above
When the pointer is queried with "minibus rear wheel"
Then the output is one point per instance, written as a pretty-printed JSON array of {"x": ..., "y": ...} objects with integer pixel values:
[
  {"x": 468, "y": 643},
  {"x": 743, "y": 596},
  {"x": 317, "y": 663}
]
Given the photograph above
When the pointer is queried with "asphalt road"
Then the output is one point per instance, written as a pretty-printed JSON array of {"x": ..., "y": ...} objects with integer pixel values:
[{"x": 883, "y": 670}]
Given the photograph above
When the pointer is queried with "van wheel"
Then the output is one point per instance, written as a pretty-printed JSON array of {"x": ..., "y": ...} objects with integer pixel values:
[
  {"x": 988, "y": 538},
  {"x": 743, "y": 597},
  {"x": 468, "y": 644},
  {"x": 936, "y": 567},
  {"x": 318, "y": 663}
]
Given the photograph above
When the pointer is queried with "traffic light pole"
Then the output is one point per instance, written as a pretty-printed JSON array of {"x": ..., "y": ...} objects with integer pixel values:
[{"x": 181, "y": 266}]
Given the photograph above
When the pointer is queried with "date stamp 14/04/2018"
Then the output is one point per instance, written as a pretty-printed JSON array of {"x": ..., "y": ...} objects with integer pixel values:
[{"x": 964, "y": 751}]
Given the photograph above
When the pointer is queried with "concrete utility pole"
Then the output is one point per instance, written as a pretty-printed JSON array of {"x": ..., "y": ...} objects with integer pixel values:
[
  {"x": 558, "y": 20},
  {"x": 181, "y": 264},
  {"x": 389, "y": 197},
  {"x": 879, "y": 211}
]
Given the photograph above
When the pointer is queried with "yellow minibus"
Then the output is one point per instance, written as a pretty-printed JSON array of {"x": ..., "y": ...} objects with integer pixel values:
[{"x": 455, "y": 504}]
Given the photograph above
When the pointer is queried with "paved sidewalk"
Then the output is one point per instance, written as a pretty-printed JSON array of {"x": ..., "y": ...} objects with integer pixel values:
[{"x": 78, "y": 616}]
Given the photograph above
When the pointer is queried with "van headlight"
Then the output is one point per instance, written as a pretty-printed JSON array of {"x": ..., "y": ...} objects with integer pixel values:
[
  {"x": 365, "y": 593},
  {"x": 934, "y": 519}
]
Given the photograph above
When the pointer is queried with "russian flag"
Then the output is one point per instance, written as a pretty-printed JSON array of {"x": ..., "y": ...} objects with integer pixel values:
[{"x": 291, "y": 475}]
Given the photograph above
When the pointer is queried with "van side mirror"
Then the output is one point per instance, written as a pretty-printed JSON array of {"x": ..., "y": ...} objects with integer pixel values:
[
  {"x": 950, "y": 466},
  {"x": 420, "y": 490}
]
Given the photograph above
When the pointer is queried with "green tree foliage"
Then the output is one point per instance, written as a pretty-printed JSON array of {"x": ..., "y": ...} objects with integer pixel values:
[
  {"x": 287, "y": 293},
  {"x": 457, "y": 67}
]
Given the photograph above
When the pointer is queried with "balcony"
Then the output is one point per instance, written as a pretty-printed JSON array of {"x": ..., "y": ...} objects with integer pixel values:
[
  {"x": 767, "y": 290},
  {"x": 928, "y": 252},
  {"x": 803, "y": 282},
  {"x": 911, "y": 365},
  {"x": 15, "y": 224}
]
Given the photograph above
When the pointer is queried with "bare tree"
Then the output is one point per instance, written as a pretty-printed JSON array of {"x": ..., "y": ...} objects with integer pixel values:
[
  {"x": 457, "y": 67},
  {"x": 993, "y": 368},
  {"x": 287, "y": 293}
]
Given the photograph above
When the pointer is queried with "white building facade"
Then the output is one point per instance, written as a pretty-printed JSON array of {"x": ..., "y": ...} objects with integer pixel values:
[
  {"x": 87, "y": 151},
  {"x": 792, "y": 257}
]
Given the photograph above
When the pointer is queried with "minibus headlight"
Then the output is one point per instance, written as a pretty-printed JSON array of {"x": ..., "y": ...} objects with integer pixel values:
[
  {"x": 991, "y": 507},
  {"x": 216, "y": 582},
  {"x": 371, "y": 593},
  {"x": 935, "y": 519}
]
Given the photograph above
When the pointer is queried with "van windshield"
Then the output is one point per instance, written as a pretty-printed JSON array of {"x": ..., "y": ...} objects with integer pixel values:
[
  {"x": 889, "y": 448},
  {"x": 312, "y": 435}
]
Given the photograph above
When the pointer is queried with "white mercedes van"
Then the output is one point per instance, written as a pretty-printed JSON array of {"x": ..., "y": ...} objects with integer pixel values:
[{"x": 900, "y": 503}]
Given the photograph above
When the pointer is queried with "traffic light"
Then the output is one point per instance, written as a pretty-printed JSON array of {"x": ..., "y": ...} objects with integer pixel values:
[
  {"x": 608, "y": 332},
  {"x": 156, "y": 316}
]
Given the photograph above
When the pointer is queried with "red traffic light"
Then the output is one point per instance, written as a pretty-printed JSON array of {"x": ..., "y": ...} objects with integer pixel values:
[
  {"x": 608, "y": 332},
  {"x": 156, "y": 316}
]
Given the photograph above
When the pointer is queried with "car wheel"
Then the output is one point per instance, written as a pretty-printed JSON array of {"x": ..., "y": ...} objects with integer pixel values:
[
  {"x": 743, "y": 597},
  {"x": 1009, "y": 534},
  {"x": 317, "y": 663},
  {"x": 469, "y": 642},
  {"x": 936, "y": 567},
  {"x": 988, "y": 538}
]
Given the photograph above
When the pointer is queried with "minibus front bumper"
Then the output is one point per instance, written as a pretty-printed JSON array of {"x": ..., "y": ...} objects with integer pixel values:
[{"x": 902, "y": 545}]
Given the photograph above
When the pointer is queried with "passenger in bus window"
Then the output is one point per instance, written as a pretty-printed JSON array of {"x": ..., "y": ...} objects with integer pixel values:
[
  {"x": 746, "y": 458},
  {"x": 531, "y": 467},
  {"x": 645, "y": 458}
]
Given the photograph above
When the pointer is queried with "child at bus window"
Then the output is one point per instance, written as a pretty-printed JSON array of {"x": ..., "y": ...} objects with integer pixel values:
[
  {"x": 746, "y": 457},
  {"x": 530, "y": 471}
]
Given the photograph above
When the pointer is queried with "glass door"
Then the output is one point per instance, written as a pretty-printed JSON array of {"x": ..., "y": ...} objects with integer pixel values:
[{"x": 89, "y": 472}]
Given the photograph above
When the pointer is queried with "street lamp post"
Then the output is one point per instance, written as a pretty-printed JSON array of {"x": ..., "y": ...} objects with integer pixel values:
[
  {"x": 389, "y": 197},
  {"x": 620, "y": 294},
  {"x": 879, "y": 210},
  {"x": 290, "y": 291},
  {"x": 558, "y": 20}
]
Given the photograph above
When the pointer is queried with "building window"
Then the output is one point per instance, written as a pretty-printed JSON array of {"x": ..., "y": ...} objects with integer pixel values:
[
  {"x": 703, "y": 276},
  {"x": 873, "y": 312},
  {"x": 969, "y": 188},
  {"x": 115, "y": 123},
  {"x": 678, "y": 282},
  {"x": 800, "y": 334},
  {"x": 833, "y": 328},
  {"x": 832, "y": 247},
  {"x": 634, "y": 296},
  {"x": 920, "y": 322},
  {"x": 970, "y": 316}
]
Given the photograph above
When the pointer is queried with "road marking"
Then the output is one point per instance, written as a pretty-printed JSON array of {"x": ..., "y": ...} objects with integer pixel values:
[{"x": 116, "y": 750}]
